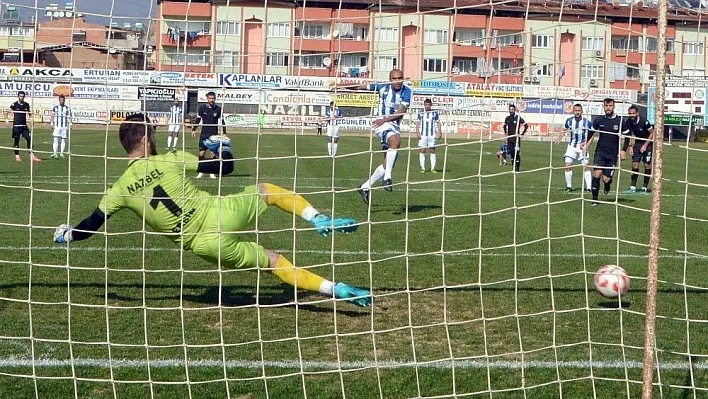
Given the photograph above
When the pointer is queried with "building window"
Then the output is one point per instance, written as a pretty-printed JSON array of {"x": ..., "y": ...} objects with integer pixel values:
[
  {"x": 226, "y": 58},
  {"x": 349, "y": 31},
  {"x": 474, "y": 37},
  {"x": 201, "y": 27},
  {"x": 311, "y": 31},
  {"x": 624, "y": 43},
  {"x": 353, "y": 60},
  {"x": 435, "y": 36},
  {"x": 593, "y": 43},
  {"x": 508, "y": 65},
  {"x": 199, "y": 59},
  {"x": 543, "y": 70},
  {"x": 700, "y": 72},
  {"x": 20, "y": 31},
  {"x": 277, "y": 59},
  {"x": 633, "y": 71},
  {"x": 4, "y": 31},
  {"x": 227, "y": 28},
  {"x": 651, "y": 44},
  {"x": 385, "y": 63},
  {"x": 542, "y": 41},
  {"x": 464, "y": 65},
  {"x": 309, "y": 60},
  {"x": 434, "y": 65},
  {"x": 592, "y": 72},
  {"x": 509, "y": 38},
  {"x": 693, "y": 48},
  {"x": 387, "y": 35},
  {"x": 278, "y": 29}
]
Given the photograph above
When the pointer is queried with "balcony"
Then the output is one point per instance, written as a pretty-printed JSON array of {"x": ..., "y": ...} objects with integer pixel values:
[
  {"x": 181, "y": 67},
  {"x": 351, "y": 45},
  {"x": 201, "y": 40},
  {"x": 183, "y": 9},
  {"x": 469, "y": 49},
  {"x": 513, "y": 51},
  {"x": 313, "y": 44}
]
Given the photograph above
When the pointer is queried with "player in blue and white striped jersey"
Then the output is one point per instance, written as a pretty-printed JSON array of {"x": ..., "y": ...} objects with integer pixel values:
[
  {"x": 61, "y": 122},
  {"x": 332, "y": 114},
  {"x": 175, "y": 124},
  {"x": 395, "y": 98},
  {"x": 428, "y": 130},
  {"x": 578, "y": 127}
]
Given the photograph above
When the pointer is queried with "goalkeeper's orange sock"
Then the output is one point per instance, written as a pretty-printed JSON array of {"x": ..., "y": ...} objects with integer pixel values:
[
  {"x": 290, "y": 202},
  {"x": 301, "y": 278}
]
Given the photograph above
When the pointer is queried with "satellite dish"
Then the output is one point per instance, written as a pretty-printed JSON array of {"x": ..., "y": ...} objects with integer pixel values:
[
  {"x": 69, "y": 14},
  {"x": 326, "y": 61},
  {"x": 335, "y": 33},
  {"x": 61, "y": 13},
  {"x": 111, "y": 50},
  {"x": 49, "y": 13}
]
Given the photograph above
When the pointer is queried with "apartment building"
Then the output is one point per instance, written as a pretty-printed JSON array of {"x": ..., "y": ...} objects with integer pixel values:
[
  {"x": 616, "y": 50},
  {"x": 16, "y": 38}
]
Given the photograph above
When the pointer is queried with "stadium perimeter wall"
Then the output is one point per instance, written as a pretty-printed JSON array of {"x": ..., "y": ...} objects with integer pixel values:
[{"x": 288, "y": 102}]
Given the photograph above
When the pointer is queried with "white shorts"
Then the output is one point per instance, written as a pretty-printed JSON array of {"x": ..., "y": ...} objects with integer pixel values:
[
  {"x": 173, "y": 129},
  {"x": 333, "y": 131},
  {"x": 62, "y": 132},
  {"x": 573, "y": 154},
  {"x": 426, "y": 142},
  {"x": 385, "y": 131}
]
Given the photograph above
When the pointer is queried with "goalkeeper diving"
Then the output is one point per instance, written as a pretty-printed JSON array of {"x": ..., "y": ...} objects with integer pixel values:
[{"x": 156, "y": 188}]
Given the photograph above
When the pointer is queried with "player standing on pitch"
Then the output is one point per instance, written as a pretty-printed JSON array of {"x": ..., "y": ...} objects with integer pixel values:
[
  {"x": 513, "y": 143},
  {"x": 608, "y": 127},
  {"x": 643, "y": 132},
  {"x": 61, "y": 123},
  {"x": 430, "y": 122},
  {"x": 578, "y": 127},
  {"x": 332, "y": 114},
  {"x": 209, "y": 115},
  {"x": 156, "y": 188},
  {"x": 20, "y": 111},
  {"x": 175, "y": 124},
  {"x": 395, "y": 98}
]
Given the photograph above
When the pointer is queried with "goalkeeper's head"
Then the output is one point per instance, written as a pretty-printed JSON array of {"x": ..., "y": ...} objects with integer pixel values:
[{"x": 137, "y": 135}]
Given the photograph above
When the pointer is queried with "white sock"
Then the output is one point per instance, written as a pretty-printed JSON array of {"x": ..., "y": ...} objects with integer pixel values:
[
  {"x": 334, "y": 148},
  {"x": 432, "y": 161},
  {"x": 309, "y": 213},
  {"x": 569, "y": 178},
  {"x": 55, "y": 144},
  {"x": 390, "y": 160},
  {"x": 63, "y": 145},
  {"x": 169, "y": 141},
  {"x": 376, "y": 176},
  {"x": 588, "y": 179},
  {"x": 421, "y": 157},
  {"x": 326, "y": 288},
  {"x": 329, "y": 149},
  {"x": 174, "y": 142}
]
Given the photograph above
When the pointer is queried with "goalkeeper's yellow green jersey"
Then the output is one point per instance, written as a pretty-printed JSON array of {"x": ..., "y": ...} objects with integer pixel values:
[{"x": 157, "y": 189}]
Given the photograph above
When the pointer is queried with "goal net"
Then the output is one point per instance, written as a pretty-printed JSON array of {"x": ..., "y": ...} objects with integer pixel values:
[{"x": 480, "y": 260}]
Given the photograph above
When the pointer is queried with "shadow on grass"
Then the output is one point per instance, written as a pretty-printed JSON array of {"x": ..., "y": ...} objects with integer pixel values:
[
  {"x": 615, "y": 304},
  {"x": 402, "y": 209},
  {"x": 238, "y": 296}
]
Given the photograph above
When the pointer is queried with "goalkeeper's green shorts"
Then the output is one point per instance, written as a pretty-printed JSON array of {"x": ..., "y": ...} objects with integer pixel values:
[{"x": 232, "y": 215}]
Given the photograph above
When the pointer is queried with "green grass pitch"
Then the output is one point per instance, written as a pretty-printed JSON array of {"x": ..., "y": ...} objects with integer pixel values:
[{"x": 482, "y": 281}]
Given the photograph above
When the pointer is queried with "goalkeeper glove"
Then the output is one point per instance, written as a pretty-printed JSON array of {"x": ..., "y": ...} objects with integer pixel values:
[
  {"x": 218, "y": 144},
  {"x": 62, "y": 234}
]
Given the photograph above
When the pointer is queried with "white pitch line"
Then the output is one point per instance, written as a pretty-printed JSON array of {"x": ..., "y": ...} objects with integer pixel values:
[
  {"x": 362, "y": 252},
  {"x": 15, "y": 362}
]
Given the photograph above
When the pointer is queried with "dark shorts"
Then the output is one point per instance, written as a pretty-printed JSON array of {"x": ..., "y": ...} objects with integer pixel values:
[
  {"x": 511, "y": 147},
  {"x": 21, "y": 131},
  {"x": 642, "y": 156},
  {"x": 606, "y": 162}
]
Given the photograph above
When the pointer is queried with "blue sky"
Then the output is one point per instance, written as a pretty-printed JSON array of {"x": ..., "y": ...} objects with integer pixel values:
[{"x": 123, "y": 10}]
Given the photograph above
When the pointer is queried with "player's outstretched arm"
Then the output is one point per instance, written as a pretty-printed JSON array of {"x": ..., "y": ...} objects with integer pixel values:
[{"x": 84, "y": 230}]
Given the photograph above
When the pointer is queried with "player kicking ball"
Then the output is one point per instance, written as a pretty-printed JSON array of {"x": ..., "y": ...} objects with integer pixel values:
[
  {"x": 577, "y": 126},
  {"x": 156, "y": 189}
]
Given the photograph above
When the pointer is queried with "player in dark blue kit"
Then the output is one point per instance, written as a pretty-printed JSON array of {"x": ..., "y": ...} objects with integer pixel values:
[
  {"x": 608, "y": 128},
  {"x": 20, "y": 110},
  {"x": 502, "y": 153},
  {"x": 210, "y": 116},
  {"x": 643, "y": 133}
]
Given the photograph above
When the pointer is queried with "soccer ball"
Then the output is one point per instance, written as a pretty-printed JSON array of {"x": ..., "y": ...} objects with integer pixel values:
[{"x": 611, "y": 281}]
